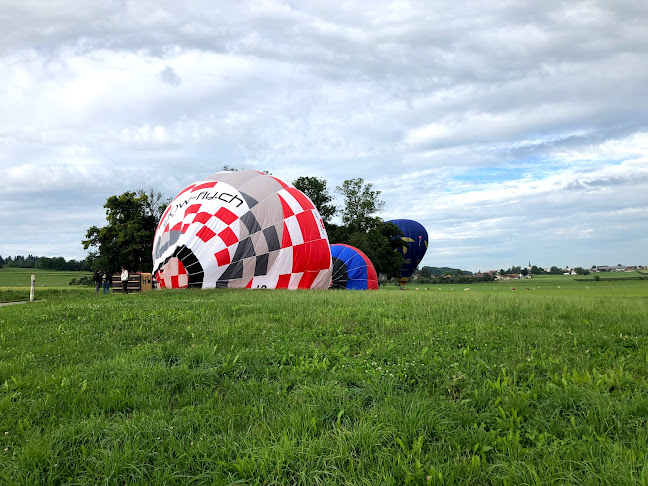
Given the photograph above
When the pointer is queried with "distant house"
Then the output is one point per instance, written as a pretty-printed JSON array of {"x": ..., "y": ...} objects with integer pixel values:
[
  {"x": 617, "y": 268},
  {"x": 492, "y": 273}
]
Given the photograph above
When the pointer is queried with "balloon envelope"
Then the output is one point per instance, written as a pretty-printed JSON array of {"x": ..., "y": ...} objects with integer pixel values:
[
  {"x": 352, "y": 270},
  {"x": 241, "y": 229},
  {"x": 416, "y": 237}
]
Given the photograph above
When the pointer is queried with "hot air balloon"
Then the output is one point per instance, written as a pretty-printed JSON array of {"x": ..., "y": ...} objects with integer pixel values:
[
  {"x": 241, "y": 229},
  {"x": 352, "y": 270},
  {"x": 416, "y": 237}
]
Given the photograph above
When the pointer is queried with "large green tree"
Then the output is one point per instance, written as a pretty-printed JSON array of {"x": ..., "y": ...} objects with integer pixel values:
[
  {"x": 364, "y": 230},
  {"x": 127, "y": 239},
  {"x": 316, "y": 190},
  {"x": 361, "y": 203}
]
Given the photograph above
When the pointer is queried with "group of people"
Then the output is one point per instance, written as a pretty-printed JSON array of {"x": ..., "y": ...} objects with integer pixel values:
[{"x": 102, "y": 280}]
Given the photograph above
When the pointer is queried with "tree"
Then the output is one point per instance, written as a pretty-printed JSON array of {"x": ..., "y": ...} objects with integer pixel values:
[
  {"x": 127, "y": 239},
  {"x": 555, "y": 270},
  {"x": 316, "y": 190},
  {"x": 380, "y": 244},
  {"x": 154, "y": 203},
  {"x": 367, "y": 232},
  {"x": 488, "y": 277},
  {"x": 360, "y": 205},
  {"x": 18, "y": 261},
  {"x": 425, "y": 272},
  {"x": 436, "y": 271}
]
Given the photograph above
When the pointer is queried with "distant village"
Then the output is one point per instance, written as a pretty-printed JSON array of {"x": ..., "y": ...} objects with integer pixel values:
[
  {"x": 529, "y": 271},
  {"x": 454, "y": 275}
]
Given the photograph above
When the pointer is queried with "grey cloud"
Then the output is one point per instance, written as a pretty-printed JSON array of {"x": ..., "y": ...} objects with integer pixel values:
[
  {"x": 169, "y": 76},
  {"x": 617, "y": 181}
]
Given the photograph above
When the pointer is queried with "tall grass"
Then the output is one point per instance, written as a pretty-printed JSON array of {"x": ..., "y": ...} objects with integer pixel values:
[{"x": 292, "y": 387}]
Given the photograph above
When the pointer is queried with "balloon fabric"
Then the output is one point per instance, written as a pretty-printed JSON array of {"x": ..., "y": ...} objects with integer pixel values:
[
  {"x": 241, "y": 229},
  {"x": 416, "y": 237},
  {"x": 352, "y": 270}
]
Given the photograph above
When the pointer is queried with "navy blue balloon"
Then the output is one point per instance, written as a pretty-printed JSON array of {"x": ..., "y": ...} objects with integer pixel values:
[
  {"x": 416, "y": 237},
  {"x": 352, "y": 269}
]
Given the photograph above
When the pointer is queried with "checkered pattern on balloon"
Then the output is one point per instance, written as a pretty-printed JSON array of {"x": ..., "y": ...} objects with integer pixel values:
[{"x": 242, "y": 229}]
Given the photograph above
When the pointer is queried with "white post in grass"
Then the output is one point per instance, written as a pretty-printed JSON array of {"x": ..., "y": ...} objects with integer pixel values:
[{"x": 31, "y": 290}]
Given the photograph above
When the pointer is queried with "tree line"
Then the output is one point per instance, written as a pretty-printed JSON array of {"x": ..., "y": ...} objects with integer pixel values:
[
  {"x": 429, "y": 272},
  {"x": 132, "y": 219},
  {"x": 45, "y": 263},
  {"x": 535, "y": 270}
]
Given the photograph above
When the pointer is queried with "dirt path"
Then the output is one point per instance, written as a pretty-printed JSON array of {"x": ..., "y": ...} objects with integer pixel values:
[{"x": 2, "y": 304}]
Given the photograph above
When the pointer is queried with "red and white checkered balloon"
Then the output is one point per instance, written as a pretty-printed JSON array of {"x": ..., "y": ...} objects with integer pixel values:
[{"x": 241, "y": 229}]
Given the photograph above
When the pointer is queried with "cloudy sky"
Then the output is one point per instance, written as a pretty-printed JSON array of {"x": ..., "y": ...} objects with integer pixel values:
[{"x": 514, "y": 132}]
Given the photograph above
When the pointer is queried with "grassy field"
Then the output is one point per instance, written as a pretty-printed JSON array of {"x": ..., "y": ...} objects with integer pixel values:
[
  {"x": 15, "y": 283},
  {"x": 609, "y": 284},
  {"x": 488, "y": 386},
  {"x": 21, "y": 277}
]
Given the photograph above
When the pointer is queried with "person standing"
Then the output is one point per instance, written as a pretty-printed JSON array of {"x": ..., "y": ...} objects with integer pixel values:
[
  {"x": 105, "y": 281},
  {"x": 97, "y": 280},
  {"x": 124, "y": 279}
]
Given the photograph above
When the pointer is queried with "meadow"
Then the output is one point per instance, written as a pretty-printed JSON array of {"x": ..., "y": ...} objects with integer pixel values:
[
  {"x": 15, "y": 283},
  {"x": 438, "y": 386}
]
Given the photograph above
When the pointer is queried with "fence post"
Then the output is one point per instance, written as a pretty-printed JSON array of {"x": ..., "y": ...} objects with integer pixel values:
[{"x": 31, "y": 290}]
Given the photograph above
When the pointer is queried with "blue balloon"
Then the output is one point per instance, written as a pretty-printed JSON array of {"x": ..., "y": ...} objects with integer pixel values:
[
  {"x": 416, "y": 237},
  {"x": 352, "y": 269}
]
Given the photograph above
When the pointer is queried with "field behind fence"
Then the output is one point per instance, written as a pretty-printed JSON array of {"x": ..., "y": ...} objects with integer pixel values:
[{"x": 487, "y": 386}]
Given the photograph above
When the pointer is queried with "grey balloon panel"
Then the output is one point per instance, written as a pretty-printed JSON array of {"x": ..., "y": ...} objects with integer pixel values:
[
  {"x": 273, "y": 237},
  {"x": 238, "y": 179},
  {"x": 260, "y": 188},
  {"x": 165, "y": 241},
  {"x": 217, "y": 176},
  {"x": 249, "y": 267},
  {"x": 250, "y": 222},
  {"x": 268, "y": 211},
  {"x": 272, "y": 257},
  {"x": 261, "y": 265},
  {"x": 244, "y": 249},
  {"x": 260, "y": 243}
]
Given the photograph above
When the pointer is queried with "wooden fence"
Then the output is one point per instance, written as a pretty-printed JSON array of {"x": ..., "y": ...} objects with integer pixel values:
[{"x": 137, "y": 282}]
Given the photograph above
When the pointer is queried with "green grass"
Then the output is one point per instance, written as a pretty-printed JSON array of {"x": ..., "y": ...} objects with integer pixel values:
[
  {"x": 610, "y": 284},
  {"x": 442, "y": 386},
  {"x": 15, "y": 282}
]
